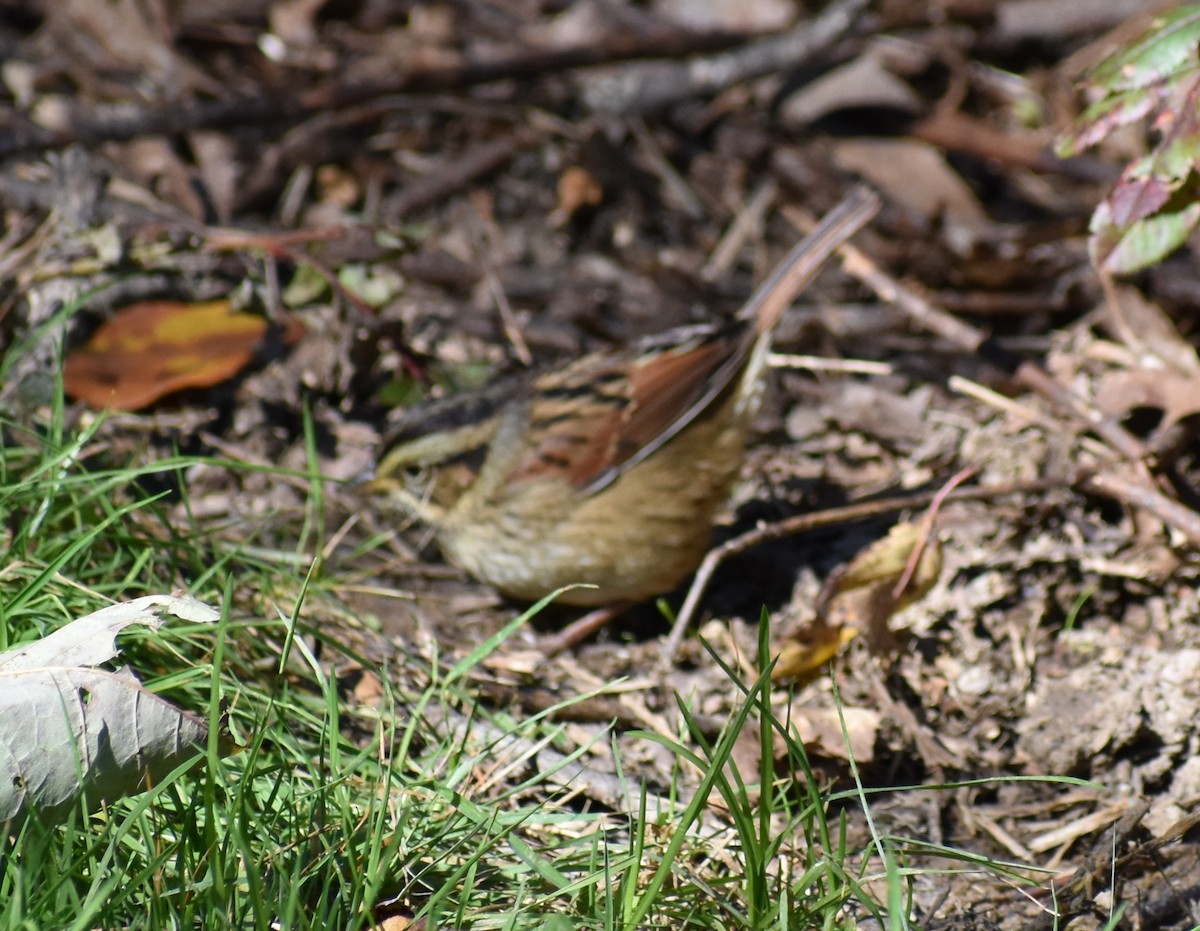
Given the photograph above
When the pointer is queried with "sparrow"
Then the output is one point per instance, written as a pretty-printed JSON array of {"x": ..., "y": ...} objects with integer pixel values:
[{"x": 606, "y": 472}]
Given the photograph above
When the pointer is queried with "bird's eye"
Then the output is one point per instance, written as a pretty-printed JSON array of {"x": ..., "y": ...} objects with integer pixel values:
[{"x": 415, "y": 474}]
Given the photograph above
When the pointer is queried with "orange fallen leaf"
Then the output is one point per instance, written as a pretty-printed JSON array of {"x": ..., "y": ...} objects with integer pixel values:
[{"x": 154, "y": 348}]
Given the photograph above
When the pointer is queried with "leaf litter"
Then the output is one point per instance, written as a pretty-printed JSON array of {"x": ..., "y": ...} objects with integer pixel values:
[{"x": 457, "y": 217}]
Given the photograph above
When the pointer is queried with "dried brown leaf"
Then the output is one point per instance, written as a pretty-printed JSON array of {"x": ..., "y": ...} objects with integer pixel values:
[
  {"x": 861, "y": 597},
  {"x": 1177, "y": 396},
  {"x": 1145, "y": 327}
]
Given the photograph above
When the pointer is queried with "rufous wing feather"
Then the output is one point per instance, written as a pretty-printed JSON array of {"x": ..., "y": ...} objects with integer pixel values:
[{"x": 595, "y": 417}]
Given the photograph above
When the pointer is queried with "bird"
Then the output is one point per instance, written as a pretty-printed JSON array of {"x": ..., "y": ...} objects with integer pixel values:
[{"x": 600, "y": 479}]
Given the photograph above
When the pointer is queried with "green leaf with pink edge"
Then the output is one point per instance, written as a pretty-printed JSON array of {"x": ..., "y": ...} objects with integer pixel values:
[{"x": 1125, "y": 249}]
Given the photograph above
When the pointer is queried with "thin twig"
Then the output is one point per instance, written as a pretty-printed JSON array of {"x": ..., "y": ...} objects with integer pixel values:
[
  {"x": 96, "y": 124},
  {"x": 826, "y": 364},
  {"x": 508, "y": 320},
  {"x": 488, "y": 243},
  {"x": 579, "y": 630},
  {"x": 802, "y": 523},
  {"x": 1001, "y": 402},
  {"x": 1136, "y": 494},
  {"x": 465, "y": 168},
  {"x": 675, "y": 186},
  {"x": 748, "y": 220},
  {"x": 953, "y": 130},
  {"x": 914, "y": 558},
  {"x": 858, "y": 265},
  {"x": 1106, "y": 427},
  {"x": 655, "y": 85}
]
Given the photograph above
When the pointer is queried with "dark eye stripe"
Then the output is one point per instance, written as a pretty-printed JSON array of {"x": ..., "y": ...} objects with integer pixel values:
[{"x": 450, "y": 414}]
